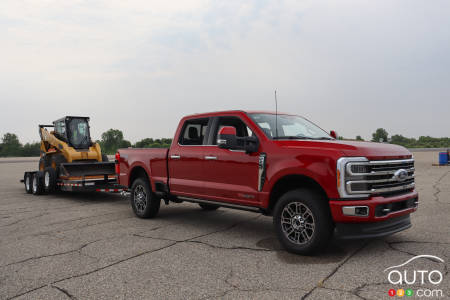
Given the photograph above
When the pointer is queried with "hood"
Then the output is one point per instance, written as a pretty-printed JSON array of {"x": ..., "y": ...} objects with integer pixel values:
[{"x": 373, "y": 151}]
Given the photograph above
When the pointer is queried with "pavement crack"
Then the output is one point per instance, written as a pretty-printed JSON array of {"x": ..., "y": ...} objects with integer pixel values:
[
  {"x": 79, "y": 249},
  {"x": 231, "y": 248},
  {"x": 322, "y": 282},
  {"x": 437, "y": 190},
  {"x": 64, "y": 291}
]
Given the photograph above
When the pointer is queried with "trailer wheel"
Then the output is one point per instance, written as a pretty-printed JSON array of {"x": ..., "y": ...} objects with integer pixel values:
[
  {"x": 37, "y": 183},
  {"x": 105, "y": 158},
  {"x": 143, "y": 201},
  {"x": 27, "y": 180},
  {"x": 49, "y": 180}
]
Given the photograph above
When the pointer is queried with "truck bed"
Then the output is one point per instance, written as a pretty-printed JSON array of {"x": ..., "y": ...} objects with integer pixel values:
[{"x": 152, "y": 160}]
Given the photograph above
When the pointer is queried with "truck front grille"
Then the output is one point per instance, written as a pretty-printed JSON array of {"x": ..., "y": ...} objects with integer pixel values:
[{"x": 380, "y": 177}]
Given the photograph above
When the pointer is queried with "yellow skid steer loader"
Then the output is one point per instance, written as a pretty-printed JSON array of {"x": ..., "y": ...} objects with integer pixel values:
[{"x": 70, "y": 161}]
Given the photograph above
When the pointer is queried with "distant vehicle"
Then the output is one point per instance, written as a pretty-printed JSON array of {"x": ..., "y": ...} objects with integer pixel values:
[
  {"x": 69, "y": 160},
  {"x": 281, "y": 165}
]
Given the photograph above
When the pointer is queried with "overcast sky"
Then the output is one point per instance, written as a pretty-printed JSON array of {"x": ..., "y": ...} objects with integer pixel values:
[{"x": 139, "y": 66}]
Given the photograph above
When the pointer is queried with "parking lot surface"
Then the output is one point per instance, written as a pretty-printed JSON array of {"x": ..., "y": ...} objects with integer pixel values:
[{"x": 91, "y": 246}]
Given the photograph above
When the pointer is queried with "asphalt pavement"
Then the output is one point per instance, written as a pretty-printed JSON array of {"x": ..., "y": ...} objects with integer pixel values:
[{"x": 91, "y": 246}]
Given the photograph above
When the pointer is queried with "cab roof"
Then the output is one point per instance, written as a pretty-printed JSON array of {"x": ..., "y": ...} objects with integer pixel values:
[{"x": 228, "y": 112}]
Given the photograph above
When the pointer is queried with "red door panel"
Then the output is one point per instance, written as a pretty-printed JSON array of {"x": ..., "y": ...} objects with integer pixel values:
[{"x": 231, "y": 176}]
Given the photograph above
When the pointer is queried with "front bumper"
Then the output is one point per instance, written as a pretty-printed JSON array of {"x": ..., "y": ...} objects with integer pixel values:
[
  {"x": 374, "y": 229},
  {"x": 376, "y": 223}
]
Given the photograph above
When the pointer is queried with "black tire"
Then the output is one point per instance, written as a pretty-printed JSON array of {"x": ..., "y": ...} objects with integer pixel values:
[
  {"x": 37, "y": 183},
  {"x": 309, "y": 228},
  {"x": 144, "y": 203},
  {"x": 49, "y": 179},
  {"x": 27, "y": 180},
  {"x": 105, "y": 157},
  {"x": 208, "y": 207}
]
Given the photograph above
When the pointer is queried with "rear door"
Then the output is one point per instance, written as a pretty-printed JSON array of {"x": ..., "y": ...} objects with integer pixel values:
[
  {"x": 186, "y": 159},
  {"x": 231, "y": 175}
]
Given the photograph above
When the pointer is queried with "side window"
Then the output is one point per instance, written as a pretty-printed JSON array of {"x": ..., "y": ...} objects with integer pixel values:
[
  {"x": 60, "y": 128},
  {"x": 242, "y": 129},
  {"x": 193, "y": 132}
]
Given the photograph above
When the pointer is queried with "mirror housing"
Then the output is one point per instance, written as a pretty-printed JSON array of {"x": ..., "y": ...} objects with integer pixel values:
[
  {"x": 333, "y": 134},
  {"x": 226, "y": 138}
]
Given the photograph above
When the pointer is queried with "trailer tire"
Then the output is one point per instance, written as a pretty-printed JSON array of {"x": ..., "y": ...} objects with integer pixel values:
[
  {"x": 49, "y": 179},
  {"x": 144, "y": 203},
  {"x": 208, "y": 207},
  {"x": 37, "y": 183},
  {"x": 28, "y": 181},
  {"x": 302, "y": 221},
  {"x": 105, "y": 158}
]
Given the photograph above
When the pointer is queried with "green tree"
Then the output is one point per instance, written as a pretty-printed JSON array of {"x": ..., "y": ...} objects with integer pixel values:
[
  {"x": 359, "y": 138},
  {"x": 153, "y": 143},
  {"x": 10, "y": 145},
  {"x": 31, "y": 149},
  {"x": 113, "y": 140},
  {"x": 380, "y": 135}
]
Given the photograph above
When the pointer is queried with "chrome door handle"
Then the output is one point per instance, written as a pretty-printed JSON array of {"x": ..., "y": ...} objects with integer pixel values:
[
  {"x": 175, "y": 156},
  {"x": 208, "y": 157}
]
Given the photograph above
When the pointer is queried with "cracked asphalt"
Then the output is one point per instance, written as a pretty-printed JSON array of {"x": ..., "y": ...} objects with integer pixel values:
[{"x": 90, "y": 246}]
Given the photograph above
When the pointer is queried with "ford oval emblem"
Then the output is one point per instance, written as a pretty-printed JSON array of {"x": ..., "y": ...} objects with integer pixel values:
[{"x": 400, "y": 175}]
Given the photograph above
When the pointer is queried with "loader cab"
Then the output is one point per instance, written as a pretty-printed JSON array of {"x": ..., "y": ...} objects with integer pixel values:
[{"x": 74, "y": 131}]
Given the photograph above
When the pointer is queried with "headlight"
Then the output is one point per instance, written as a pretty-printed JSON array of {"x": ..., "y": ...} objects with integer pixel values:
[{"x": 348, "y": 168}]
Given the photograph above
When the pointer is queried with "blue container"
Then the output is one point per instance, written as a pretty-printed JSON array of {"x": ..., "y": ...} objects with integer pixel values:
[{"x": 443, "y": 158}]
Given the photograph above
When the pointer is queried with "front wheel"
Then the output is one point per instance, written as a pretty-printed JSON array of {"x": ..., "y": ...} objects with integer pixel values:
[
  {"x": 143, "y": 201},
  {"x": 302, "y": 221}
]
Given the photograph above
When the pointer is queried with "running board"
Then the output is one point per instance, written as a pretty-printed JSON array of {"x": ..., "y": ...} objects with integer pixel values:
[{"x": 222, "y": 204}]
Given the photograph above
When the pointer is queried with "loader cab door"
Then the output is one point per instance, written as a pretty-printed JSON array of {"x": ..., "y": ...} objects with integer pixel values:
[
  {"x": 78, "y": 133},
  {"x": 60, "y": 130}
]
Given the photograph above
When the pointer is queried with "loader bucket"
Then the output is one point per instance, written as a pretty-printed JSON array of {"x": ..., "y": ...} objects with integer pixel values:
[{"x": 88, "y": 168}]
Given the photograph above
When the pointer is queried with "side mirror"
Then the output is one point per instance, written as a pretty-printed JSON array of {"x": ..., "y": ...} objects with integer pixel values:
[
  {"x": 227, "y": 138},
  {"x": 333, "y": 134},
  {"x": 251, "y": 144}
]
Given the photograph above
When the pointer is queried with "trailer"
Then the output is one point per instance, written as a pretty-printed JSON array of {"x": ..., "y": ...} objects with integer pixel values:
[{"x": 70, "y": 160}]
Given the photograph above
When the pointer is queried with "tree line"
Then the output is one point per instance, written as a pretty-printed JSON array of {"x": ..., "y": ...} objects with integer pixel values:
[
  {"x": 110, "y": 141},
  {"x": 113, "y": 139}
]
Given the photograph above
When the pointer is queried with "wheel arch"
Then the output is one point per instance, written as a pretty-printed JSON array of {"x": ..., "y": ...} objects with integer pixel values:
[
  {"x": 137, "y": 172},
  {"x": 291, "y": 182}
]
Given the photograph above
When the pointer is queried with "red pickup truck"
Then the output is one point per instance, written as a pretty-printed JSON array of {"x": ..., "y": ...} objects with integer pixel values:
[{"x": 281, "y": 165}]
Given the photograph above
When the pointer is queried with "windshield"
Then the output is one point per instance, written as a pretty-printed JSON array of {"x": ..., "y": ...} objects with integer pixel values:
[
  {"x": 288, "y": 127},
  {"x": 79, "y": 133}
]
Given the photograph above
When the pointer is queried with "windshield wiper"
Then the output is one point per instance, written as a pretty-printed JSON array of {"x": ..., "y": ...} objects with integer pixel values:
[{"x": 291, "y": 137}]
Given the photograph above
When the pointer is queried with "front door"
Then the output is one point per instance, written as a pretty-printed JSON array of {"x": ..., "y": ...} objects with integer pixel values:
[{"x": 231, "y": 175}]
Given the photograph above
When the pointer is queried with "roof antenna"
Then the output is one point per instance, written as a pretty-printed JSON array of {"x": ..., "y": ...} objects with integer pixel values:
[{"x": 276, "y": 114}]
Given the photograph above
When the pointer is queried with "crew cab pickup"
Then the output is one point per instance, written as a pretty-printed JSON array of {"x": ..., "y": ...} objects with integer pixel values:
[{"x": 282, "y": 165}]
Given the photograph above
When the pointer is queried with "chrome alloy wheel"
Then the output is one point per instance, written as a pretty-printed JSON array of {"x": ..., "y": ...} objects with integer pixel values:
[
  {"x": 35, "y": 184},
  {"x": 27, "y": 182},
  {"x": 297, "y": 223},
  {"x": 140, "y": 198},
  {"x": 47, "y": 179}
]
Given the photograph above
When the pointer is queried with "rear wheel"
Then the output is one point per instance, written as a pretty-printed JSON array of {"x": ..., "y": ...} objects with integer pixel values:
[
  {"x": 208, "y": 207},
  {"x": 49, "y": 179},
  {"x": 37, "y": 183},
  {"x": 143, "y": 201},
  {"x": 302, "y": 221},
  {"x": 28, "y": 181}
]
